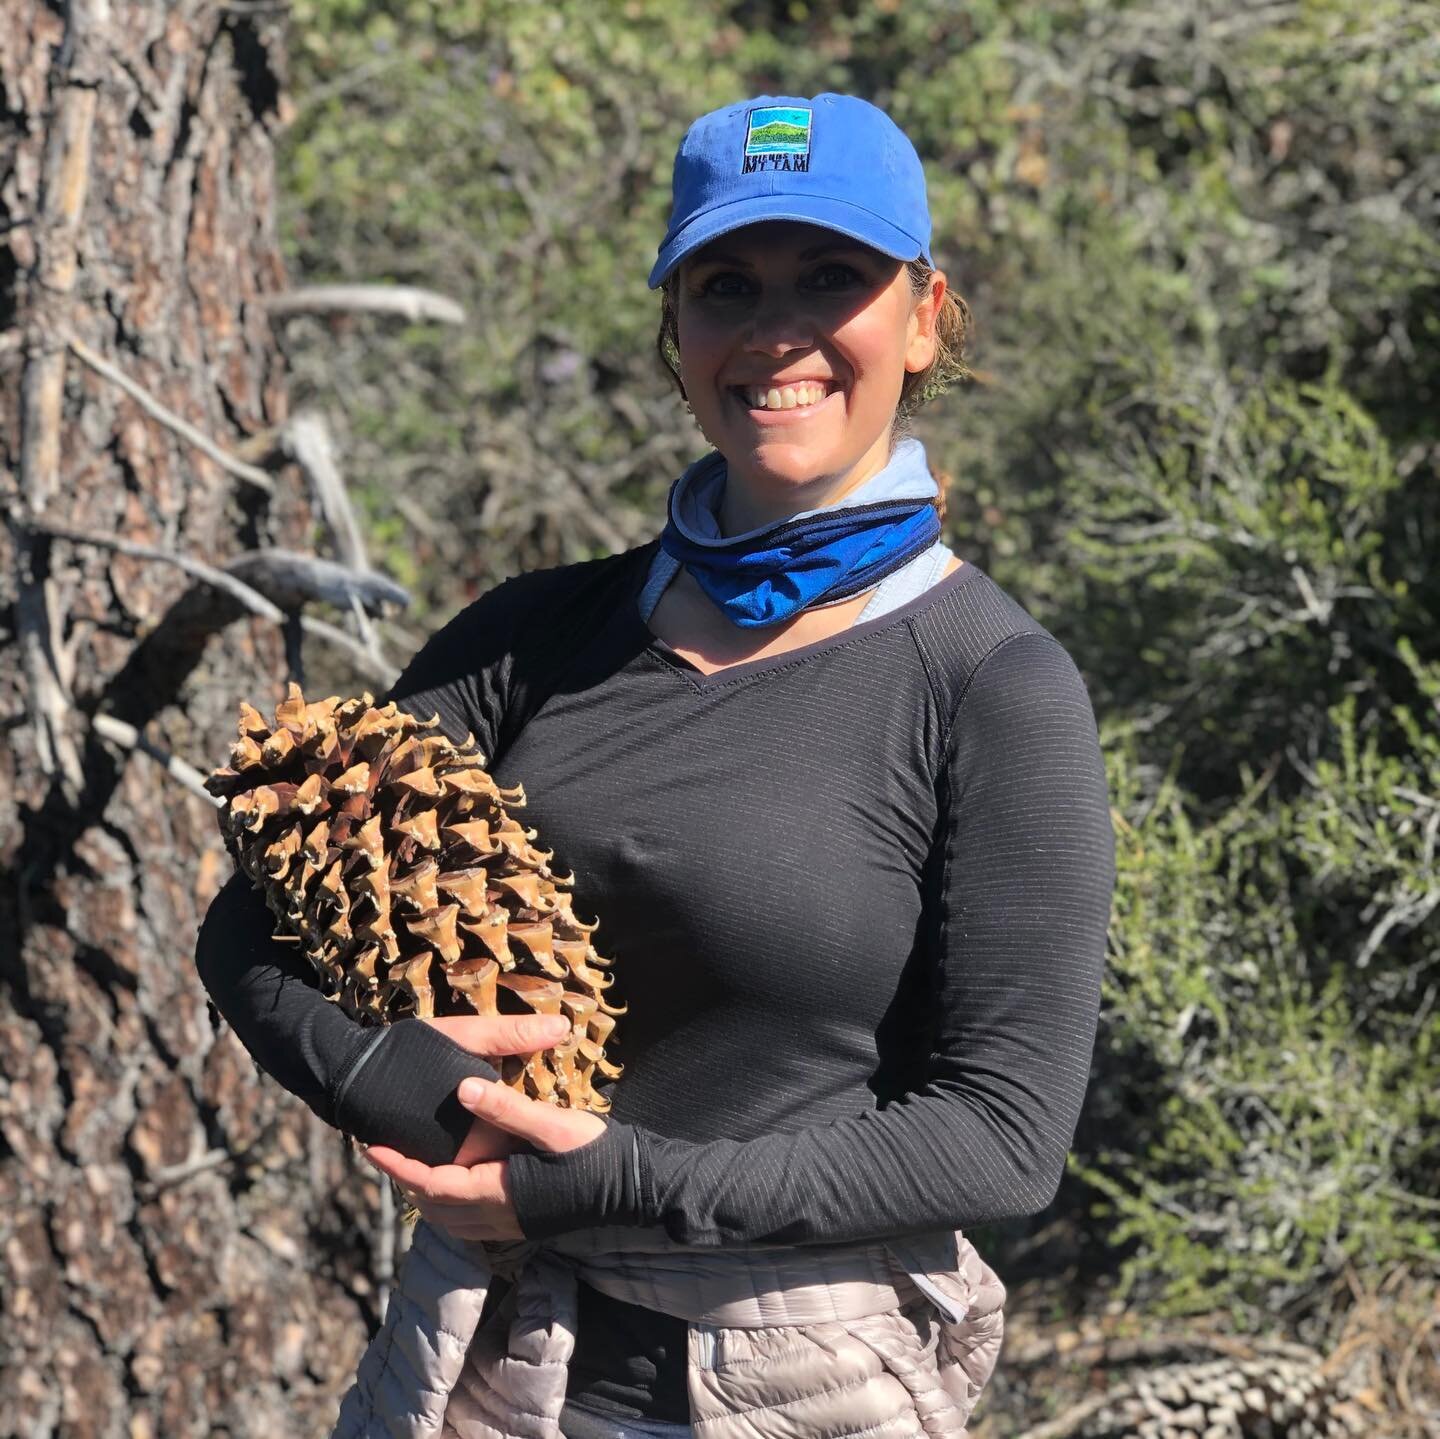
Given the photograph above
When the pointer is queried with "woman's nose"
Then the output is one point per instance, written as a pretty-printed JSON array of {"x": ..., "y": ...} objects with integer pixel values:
[{"x": 779, "y": 326}]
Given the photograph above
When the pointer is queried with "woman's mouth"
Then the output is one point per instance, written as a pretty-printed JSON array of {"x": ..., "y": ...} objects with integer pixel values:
[{"x": 796, "y": 401}]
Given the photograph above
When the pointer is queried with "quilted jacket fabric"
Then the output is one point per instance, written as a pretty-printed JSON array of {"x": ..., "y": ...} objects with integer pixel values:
[{"x": 886, "y": 1340}]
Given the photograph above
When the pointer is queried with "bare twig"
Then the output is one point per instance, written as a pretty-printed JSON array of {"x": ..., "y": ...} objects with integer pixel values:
[
  {"x": 291, "y": 580},
  {"x": 118, "y": 732},
  {"x": 167, "y": 417},
  {"x": 410, "y": 302}
]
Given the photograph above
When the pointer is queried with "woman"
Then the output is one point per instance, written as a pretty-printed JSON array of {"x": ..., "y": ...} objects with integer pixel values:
[{"x": 840, "y": 805}]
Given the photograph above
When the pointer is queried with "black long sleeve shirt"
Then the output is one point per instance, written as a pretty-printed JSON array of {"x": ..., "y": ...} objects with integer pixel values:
[{"x": 856, "y": 897}]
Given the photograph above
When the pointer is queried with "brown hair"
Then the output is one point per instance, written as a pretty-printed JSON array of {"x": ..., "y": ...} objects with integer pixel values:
[{"x": 952, "y": 331}]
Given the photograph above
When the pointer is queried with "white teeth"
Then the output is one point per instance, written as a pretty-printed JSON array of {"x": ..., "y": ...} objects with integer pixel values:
[{"x": 787, "y": 397}]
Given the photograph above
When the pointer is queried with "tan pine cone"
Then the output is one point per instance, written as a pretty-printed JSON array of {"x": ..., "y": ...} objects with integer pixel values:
[{"x": 394, "y": 860}]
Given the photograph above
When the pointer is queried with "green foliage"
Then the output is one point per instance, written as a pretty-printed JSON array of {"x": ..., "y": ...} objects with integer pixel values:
[
  {"x": 1293, "y": 1128},
  {"x": 1200, "y": 243}
]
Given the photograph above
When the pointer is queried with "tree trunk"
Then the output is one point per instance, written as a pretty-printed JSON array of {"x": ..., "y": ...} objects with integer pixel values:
[{"x": 184, "y": 1247}]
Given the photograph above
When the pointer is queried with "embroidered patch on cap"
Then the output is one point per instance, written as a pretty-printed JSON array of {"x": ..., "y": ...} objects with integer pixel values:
[{"x": 778, "y": 138}]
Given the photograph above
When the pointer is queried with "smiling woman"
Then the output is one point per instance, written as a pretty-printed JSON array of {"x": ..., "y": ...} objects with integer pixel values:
[
  {"x": 948, "y": 329},
  {"x": 840, "y": 803}
]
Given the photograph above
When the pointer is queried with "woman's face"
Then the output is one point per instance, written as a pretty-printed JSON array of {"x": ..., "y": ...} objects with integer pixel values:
[{"x": 794, "y": 341}]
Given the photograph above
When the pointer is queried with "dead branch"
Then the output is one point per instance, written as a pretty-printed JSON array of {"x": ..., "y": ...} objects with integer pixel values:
[
  {"x": 307, "y": 440},
  {"x": 410, "y": 302},
  {"x": 197, "y": 569},
  {"x": 170, "y": 419},
  {"x": 236, "y": 588},
  {"x": 291, "y": 580},
  {"x": 126, "y": 735}
]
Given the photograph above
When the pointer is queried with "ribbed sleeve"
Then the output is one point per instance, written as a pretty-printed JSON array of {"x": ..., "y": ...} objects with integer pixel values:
[{"x": 1021, "y": 905}]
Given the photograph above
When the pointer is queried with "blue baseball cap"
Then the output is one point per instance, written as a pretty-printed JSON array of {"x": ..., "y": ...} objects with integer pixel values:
[{"x": 836, "y": 161}]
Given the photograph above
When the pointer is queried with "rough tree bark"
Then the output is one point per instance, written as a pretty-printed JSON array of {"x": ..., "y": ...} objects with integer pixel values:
[{"x": 184, "y": 1247}]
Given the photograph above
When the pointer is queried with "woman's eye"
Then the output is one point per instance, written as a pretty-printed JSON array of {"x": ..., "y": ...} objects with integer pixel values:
[
  {"x": 725, "y": 283},
  {"x": 834, "y": 277}
]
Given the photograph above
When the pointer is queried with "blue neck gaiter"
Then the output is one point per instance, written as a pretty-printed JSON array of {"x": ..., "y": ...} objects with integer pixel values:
[{"x": 768, "y": 575}]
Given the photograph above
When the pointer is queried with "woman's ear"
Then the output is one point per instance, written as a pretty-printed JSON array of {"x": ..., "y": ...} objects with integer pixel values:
[{"x": 921, "y": 328}]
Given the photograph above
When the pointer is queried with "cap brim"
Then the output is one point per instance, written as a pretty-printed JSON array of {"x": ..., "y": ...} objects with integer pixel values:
[{"x": 838, "y": 215}]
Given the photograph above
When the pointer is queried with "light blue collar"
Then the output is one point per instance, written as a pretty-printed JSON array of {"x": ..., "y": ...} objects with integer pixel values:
[{"x": 696, "y": 508}]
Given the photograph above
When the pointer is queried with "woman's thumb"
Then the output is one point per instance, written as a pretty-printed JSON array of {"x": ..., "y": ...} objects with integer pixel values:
[{"x": 496, "y": 1034}]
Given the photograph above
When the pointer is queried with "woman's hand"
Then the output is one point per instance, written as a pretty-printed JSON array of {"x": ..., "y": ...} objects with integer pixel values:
[
  {"x": 472, "y": 1201},
  {"x": 492, "y": 1036}
]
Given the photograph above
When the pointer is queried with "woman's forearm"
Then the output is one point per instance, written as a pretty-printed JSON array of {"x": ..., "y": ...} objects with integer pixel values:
[{"x": 393, "y": 1085}]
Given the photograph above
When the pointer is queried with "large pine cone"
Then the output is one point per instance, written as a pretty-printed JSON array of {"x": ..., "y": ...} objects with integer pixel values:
[{"x": 392, "y": 857}]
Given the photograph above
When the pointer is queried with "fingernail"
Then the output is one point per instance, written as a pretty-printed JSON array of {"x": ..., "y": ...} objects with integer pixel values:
[{"x": 472, "y": 1091}]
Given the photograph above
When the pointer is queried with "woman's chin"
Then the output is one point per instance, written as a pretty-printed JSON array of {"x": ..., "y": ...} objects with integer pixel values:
[{"x": 781, "y": 467}]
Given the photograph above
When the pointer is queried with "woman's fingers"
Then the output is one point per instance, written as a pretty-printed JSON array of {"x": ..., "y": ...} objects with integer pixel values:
[
  {"x": 484, "y": 1142},
  {"x": 545, "y": 1125},
  {"x": 489, "y": 1034},
  {"x": 442, "y": 1184}
]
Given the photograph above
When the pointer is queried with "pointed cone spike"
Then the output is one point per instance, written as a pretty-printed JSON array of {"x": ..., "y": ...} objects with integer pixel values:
[
  {"x": 438, "y": 928},
  {"x": 316, "y": 848},
  {"x": 355, "y": 780},
  {"x": 537, "y": 944},
  {"x": 246, "y": 753},
  {"x": 469, "y": 781},
  {"x": 368, "y": 842},
  {"x": 290, "y": 712},
  {"x": 490, "y": 931},
  {"x": 541, "y": 995},
  {"x": 311, "y": 794},
  {"x": 422, "y": 828},
  {"x": 279, "y": 855},
  {"x": 468, "y": 886},
  {"x": 476, "y": 980},
  {"x": 525, "y": 887},
  {"x": 416, "y": 981},
  {"x": 416, "y": 890},
  {"x": 278, "y": 748},
  {"x": 420, "y": 781},
  {"x": 252, "y": 723},
  {"x": 475, "y": 833}
]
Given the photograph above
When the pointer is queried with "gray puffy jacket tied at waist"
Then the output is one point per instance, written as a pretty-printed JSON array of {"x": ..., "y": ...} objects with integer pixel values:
[{"x": 887, "y": 1340}]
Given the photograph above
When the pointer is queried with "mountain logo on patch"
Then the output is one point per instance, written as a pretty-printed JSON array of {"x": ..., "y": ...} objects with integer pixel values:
[{"x": 778, "y": 138}]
